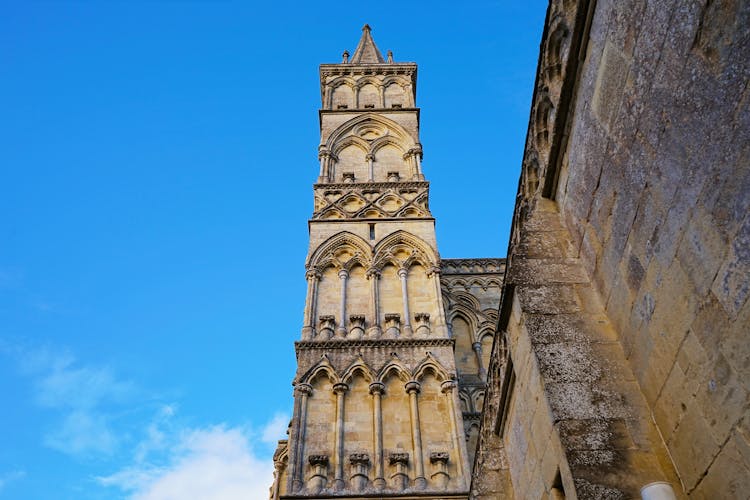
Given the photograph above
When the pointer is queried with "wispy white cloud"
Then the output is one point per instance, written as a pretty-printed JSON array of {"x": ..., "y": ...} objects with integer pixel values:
[
  {"x": 211, "y": 463},
  {"x": 275, "y": 429},
  {"x": 168, "y": 460},
  {"x": 9, "y": 477},
  {"x": 84, "y": 396}
]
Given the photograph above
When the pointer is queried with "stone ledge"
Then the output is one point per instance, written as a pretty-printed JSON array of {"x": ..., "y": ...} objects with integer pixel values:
[
  {"x": 328, "y": 344},
  {"x": 374, "y": 185}
]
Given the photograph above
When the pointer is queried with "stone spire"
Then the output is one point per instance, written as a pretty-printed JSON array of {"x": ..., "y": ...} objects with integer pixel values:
[{"x": 367, "y": 52}]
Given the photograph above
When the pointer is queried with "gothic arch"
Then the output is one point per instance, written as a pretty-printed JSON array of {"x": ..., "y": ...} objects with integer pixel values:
[
  {"x": 485, "y": 331},
  {"x": 557, "y": 46},
  {"x": 368, "y": 80},
  {"x": 543, "y": 120},
  {"x": 358, "y": 366},
  {"x": 341, "y": 80},
  {"x": 326, "y": 253},
  {"x": 384, "y": 141},
  {"x": 418, "y": 249},
  {"x": 466, "y": 406},
  {"x": 351, "y": 140},
  {"x": 395, "y": 366},
  {"x": 430, "y": 364},
  {"x": 466, "y": 298},
  {"x": 477, "y": 400},
  {"x": 467, "y": 314},
  {"x": 390, "y": 127},
  {"x": 322, "y": 367},
  {"x": 400, "y": 80}
]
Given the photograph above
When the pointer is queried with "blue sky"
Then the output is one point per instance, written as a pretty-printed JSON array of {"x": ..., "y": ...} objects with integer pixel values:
[{"x": 156, "y": 163}]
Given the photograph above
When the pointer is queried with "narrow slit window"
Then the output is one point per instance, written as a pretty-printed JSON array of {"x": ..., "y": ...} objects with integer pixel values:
[{"x": 372, "y": 231}]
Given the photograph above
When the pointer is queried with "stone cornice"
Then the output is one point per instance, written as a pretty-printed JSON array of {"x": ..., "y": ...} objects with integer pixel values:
[
  {"x": 333, "y": 69},
  {"x": 450, "y": 267},
  {"x": 343, "y": 343},
  {"x": 373, "y": 185}
]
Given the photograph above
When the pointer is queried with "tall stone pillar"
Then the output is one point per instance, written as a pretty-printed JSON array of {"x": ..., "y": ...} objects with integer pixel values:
[
  {"x": 377, "y": 389},
  {"x": 308, "y": 328},
  {"x": 406, "y": 328},
  {"x": 341, "y": 330},
  {"x": 448, "y": 388},
  {"x": 374, "y": 276},
  {"x": 338, "y": 480},
  {"x": 480, "y": 362},
  {"x": 412, "y": 388},
  {"x": 441, "y": 329},
  {"x": 303, "y": 392}
]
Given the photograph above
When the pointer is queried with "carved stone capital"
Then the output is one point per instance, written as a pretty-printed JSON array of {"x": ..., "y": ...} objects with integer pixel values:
[
  {"x": 303, "y": 389},
  {"x": 448, "y": 386},
  {"x": 476, "y": 346},
  {"x": 318, "y": 460},
  {"x": 343, "y": 274},
  {"x": 359, "y": 459},
  {"x": 433, "y": 270},
  {"x": 340, "y": 388},
  {"x": 412, "y": 386},
  {"x": 402, "y": 272},
  {"x": 439, "y": 457},
  {"x": 312, "y": 274},
  {"x": 377, "y": 388},
  {"x": 398, "y": 458},
  {"x": 393, "y": 318},
  {"x": 373, "y": 272}
]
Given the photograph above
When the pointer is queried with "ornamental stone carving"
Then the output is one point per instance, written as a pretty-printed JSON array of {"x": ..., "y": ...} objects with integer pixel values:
[
  {"x": 400, "y": 478},
  {"x": 326, "y": 328},
  {"x": 319, "y": 477},
  {"x": 439, "y": 460},
  {"x": 392, "y": 325},
  {"x": 357, "y": 328},
  {"x": 422, "y": 324},
  {"x": 360, "y": 464}
]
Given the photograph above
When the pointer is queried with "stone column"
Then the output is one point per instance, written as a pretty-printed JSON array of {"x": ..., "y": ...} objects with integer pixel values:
[
  {"x": 327, "y": 97},
  {"x": 308, "y": 329},
  {"x": 447, "y": 388},
  {"x": 370, "y": 169},
  {"x": 377, "y": 389},
  {"x": 303, "y": 392},
  {"x": 381, "y": 91},
  {"x": 478, "y": 353},
  {"x": 374, "y": 276},
  {"x": 324, "y": 155},
  {"x": 406, "y": 328},
  {"x": 412, "y": 388},
  {"x": 338, "y": 480},
  {"x": 441, "y": 330},
  {"x": 341, "y": 330},
  {"x": 418, "y": 163}
]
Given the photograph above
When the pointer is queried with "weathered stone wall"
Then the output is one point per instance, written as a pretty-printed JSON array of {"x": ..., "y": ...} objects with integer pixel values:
[
  {"x": 656, "y": 190},
  {"x": 471, "y": 295},
  {"x": 625, "y": 308}
]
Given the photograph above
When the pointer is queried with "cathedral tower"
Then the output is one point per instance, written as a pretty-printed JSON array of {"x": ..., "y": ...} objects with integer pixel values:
[{"x": 377, "y": 402}]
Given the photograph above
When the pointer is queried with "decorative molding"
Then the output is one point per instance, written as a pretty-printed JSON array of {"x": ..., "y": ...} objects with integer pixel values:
[
  {"x": 398, "y": 458},
  {"x": 339, "y": 343},
  {"x": 318, "y": 459},
  {"x": 375, "y": 185},
  {"x": 359, "y": 458},
  {"x": 472, "y": 266}
]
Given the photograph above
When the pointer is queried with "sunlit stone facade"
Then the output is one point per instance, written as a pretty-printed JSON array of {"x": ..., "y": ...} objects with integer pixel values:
[{"x": 391, "y": 365}]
